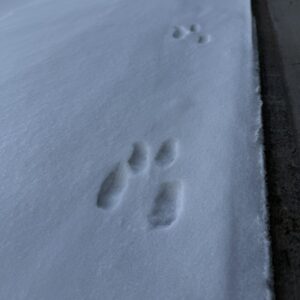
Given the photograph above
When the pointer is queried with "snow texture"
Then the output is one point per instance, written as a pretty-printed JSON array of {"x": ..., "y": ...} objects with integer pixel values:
[{"x": 131, "y": 163}]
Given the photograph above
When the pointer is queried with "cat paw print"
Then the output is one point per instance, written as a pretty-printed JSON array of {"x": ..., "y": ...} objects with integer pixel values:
[
  {"x": 166, "y": 205},
  {"x": 194, "y": 30}
]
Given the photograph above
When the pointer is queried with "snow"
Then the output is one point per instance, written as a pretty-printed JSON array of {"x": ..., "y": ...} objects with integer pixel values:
[{"x": 130, "y": 151}]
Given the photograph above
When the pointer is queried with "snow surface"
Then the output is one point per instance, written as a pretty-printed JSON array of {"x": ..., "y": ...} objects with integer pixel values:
[{"x": 130, "y": 152}]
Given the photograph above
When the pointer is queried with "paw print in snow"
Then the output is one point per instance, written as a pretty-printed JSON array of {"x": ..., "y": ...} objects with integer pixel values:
[
  {"x": 182, "y": 32},
  {"x": 167, "y": 203}
]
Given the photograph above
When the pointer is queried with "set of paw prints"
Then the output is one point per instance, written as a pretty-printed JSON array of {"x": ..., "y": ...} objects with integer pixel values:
[
  {"x": 168, "y": 200},
  {"x": 193, "y": 31}
]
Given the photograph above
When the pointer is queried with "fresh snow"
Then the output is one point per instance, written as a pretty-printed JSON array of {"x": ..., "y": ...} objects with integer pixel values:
[{"x": 130, "y": 151}]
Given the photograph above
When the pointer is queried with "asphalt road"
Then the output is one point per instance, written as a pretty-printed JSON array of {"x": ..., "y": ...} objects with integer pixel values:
[
  {"x": 285, "y": 16},
  {"x": 278, "y": 28}
]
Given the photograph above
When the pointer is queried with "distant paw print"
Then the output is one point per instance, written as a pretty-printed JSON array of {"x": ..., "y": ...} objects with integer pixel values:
[
  {"x": 182, "y": 32},
  {"x": 166, "y": 205}
]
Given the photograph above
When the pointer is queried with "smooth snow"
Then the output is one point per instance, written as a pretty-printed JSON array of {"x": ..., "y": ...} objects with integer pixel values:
[{"x": 131, "y": 163}]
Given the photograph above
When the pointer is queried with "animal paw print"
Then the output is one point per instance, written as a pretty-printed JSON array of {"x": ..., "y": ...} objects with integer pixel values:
[
  {"x": 167, "y": 203},
  {"x": 182, "y": 32},
  {"x": 116, "y": 182}
]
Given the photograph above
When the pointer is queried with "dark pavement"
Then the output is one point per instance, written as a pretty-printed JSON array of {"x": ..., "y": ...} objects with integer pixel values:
[{"x": 278, "y": 28}]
